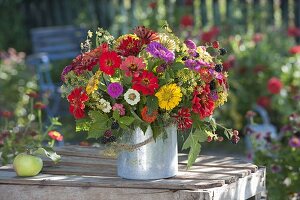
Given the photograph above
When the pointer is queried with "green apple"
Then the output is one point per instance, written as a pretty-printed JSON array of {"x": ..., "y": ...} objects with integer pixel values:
[{"x": 27, "y": 165}]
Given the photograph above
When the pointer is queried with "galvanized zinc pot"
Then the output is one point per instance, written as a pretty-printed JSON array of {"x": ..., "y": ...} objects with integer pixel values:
[{"x": 154, "y": 160}]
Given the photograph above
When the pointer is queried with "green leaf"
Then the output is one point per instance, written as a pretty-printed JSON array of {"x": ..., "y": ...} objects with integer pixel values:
[
  {"x": 196, "y": 121},
  {"x": 135, "y": 115},
  {"x": 83, "y": 124},
  {"x": 99, "y": 124},
  {"x": 177, "y": 66},
  {"x": 50, "y": 154},
  {"x": 55, "y": 121},
  {"x": 193, "y": 154},
  {"x": 156, "y": 130},
  {"x": 116, "y": 115},
  {"x": 126, "y": 120},
  {"x": 152, "y": 103}
]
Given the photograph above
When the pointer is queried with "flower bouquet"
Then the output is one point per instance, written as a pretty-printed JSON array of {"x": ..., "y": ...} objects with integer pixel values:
[{"x": 150, "y": 80}]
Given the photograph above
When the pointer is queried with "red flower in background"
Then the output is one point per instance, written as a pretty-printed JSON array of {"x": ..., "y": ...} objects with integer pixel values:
[
  {"x": 293, "y": 31},
  {"x": 295, "y": 49},
  {"x": 55, "y": 135},
  {"x": 146, "y": 83},
  {"x": 257, "y": 37},
  {"x": 264, "y": 101},
  {"x": 259, "y": 68},
  {"x": 76, "y": 99},
  {"x": 183, "y": 119},
  {"x": 152, "y": 4},
  {"x": 210, "y": 35},
  {"x": 187, "y": 21},
  {"x": 274, "y": 85},
  {"x": 6, "y": 114},
  {"x": 33, "y": 94},
  {"x": 202, "y": 103},
  {"x": 39, "y": 105},
  {"x": 109, "y": 61},
  {"x": 229, "y": 63},
  {"x": 188, "y": 2}
]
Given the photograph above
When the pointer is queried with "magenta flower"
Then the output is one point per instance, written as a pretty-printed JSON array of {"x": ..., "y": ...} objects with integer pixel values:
[
  {"x": 190, "y": 44},
  {"x": 294, "y": 142},
  {"x": 157, "y": 50},
  {"x": 115, "y": 90},
  {"x": 65, "y": 71},
  {"x": 119, "y": 107}
]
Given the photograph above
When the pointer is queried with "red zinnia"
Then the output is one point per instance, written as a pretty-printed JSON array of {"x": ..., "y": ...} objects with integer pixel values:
[
  {"x": 77, "y": 98},
  {"x": 146, "y": 83},
  {"x": 145, "y": 34},
  {"x": 205, "y": 75},
  {"x": 55, "y": 135},
  {"x": 295, "y": 49},
  {"x": 293, "y": 32},
  {"x": 129, "y": 46},
  {"x": 187, "y": 21},
  {"x": 274, "y": 85},
  {"x": 109, "y": 61},
  {"x": 183, "y": 119},
  {"x": 210, "y": 35},
  {"x": 264, "y": 101},
  {"x": 202, "y": 102}
]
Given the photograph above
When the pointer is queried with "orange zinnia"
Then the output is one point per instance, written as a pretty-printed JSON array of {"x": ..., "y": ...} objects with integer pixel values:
[{"x": 148, "y": 117}]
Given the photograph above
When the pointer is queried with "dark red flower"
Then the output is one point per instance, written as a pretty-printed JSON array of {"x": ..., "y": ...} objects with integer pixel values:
[
  {"x": 109, "y": 61},
  {"x": 264, "y": 101},
  {"x": 129, "y": 46},
  {"x": 33, "y": 94},
  {"x": 257, "y": 37},
  {"x": 259, "y": 68},
  {"x": 229, "y": 63},
  {"x": 295, "y": 49},
  {"x": 146, "y": 83},
  {"x": 187, "y": 21},
  {"x": 205, "y": 74},
  {"x": 39, "y": 105},
  {"x": 87, "y": 60},
  {"x": 274, "y": 85},
  {"x": 76, "y": 98},
  {"x": 146, "y": 34},
  {"x": 209, "y": 36},
  {"x": 215, "y": 44},
  {"x": 183, "y": 119},
  {"x": 152, "y": 4},
  {"x": 293, "y": 31},
  {"x": 6, "y": 114},
  {"x": 188, "y": 2},
  {"x": 202, "y": 103}
]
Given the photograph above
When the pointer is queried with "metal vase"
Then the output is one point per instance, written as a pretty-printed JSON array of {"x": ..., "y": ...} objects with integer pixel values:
[{"x": 154, "y": 160}]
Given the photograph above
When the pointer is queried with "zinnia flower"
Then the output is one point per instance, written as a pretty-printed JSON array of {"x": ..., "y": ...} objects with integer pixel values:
[
  {"x": 129, "y": 46},
  {"x": 169, "y": 96},
  {"x": 146, "y": 83},
  {"x": 104, "y": 106},
  {"x": 183, "y": 119},
  {"x": 145, "y": 34},
  {"x": 109, "y": 62},
  {"x": 76, "y": 98},
  {"x": 119, "y": 107},
  {"x": 202, "y": 102},
  {"x": 148, "y": 117},
  {"x": 133, "y": 66},
  {"x": 190, "y": 44},
  {"x": 93, "y": 83},
  {"x": 294, "y": 142},
  {"x": 115, "y": 90},
  {"x": 65, "y": 71},
  {"x": 157, "y": 50},
  {"x": 274, "y": 85},
  {"x": 132, "y": 96},
  {"x": 55, "y": 135}
]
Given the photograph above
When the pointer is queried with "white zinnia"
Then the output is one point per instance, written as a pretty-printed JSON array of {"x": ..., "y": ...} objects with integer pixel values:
[
  {"x": 104, "y": 105},
  {"x": 132, "y": 97}
]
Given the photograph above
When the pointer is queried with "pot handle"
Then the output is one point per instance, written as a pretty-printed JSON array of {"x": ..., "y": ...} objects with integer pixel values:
[{"x": 262, "y": 113}]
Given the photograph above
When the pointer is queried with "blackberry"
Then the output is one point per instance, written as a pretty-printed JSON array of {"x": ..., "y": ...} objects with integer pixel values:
[
  {"x": 184, "y": 58},
  {"x": 235, "y": 139},
  {"x": 222, "y": 51},
  {"x": 108, "y": 133},
  {"x": 112, "y": 139},
  {"x": 103, "y": 140},
  {"x": 212, "y": 85},
  {"x": 219, "y": 68},
  {"x": 115, "y": 125}
]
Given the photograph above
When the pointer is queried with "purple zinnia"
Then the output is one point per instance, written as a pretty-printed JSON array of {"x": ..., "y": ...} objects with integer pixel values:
[
  {"x": 115, "y": 90},
  {"x": 190, "y": 44},
  {"x": 195, "y": 64},
  {"x": 294, "y": 142},
  {"x": 157, "y": 50},
  {"x": 65, "y": 71}
]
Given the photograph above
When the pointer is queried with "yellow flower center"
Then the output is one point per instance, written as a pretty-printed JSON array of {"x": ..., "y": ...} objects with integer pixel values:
[{"x": 132, "y": 96}]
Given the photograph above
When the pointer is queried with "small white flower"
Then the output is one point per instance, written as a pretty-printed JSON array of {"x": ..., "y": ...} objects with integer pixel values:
[
  {"x": 132, "y": 97},
  {"x": 104, "y": 105}
]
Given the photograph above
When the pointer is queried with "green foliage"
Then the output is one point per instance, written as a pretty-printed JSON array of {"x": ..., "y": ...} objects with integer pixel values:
[
  {"x": 152, "y": 104},
  {"x": 98, "y": 125}
]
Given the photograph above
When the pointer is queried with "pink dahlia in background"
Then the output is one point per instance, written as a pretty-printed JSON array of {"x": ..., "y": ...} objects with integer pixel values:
[
  {"x": 187, "y": 21},
  {"x": 133, "y": 66},
  {"x": 109, "y": 61},
  {"x": 274, "y": 85},
  {"x": 115, "y": 90},
  {"x": 295, "y": 49},
  {"x": 293, "y": 31}
]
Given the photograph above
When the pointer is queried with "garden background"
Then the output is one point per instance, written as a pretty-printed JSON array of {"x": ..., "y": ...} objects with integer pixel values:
[{"x": 260, "y": 37}]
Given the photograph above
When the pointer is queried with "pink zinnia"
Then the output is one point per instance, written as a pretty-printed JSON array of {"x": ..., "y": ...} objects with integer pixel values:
[
  {"x": 133, "y": 66},
  {"x": 119, "y": 107},
  {"x": 115, "y": 90}
]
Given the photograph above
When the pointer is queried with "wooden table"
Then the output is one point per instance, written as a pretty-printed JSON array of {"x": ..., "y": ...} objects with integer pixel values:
[{"x": 84, "y": 173}]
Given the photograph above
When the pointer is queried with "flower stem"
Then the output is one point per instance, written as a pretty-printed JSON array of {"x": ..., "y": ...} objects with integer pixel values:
[
  {"x": 51, "y": 144},
  {"x": 40, "y": 123}
]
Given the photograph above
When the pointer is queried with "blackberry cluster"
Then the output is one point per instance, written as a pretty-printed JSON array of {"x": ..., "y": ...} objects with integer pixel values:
[
  {"x": 235, "y": 138},
  {"x": 212, "y": 85},
  {"x": 115, "y": 125},
  {"x": 222, "y": 51},
  {"x": 184, "y": 58},
  {"x": 219, "y": 68},
  {"x": 105, "y": 140}
]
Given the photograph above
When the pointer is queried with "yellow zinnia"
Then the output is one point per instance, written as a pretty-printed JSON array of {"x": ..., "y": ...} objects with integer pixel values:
[
  {"x": 169, "y": 96},
  {"x": 93, "y": 83}
]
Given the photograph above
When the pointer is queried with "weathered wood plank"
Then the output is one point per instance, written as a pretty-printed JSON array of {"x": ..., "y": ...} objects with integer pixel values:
[{"x": 109, "y": 182}]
